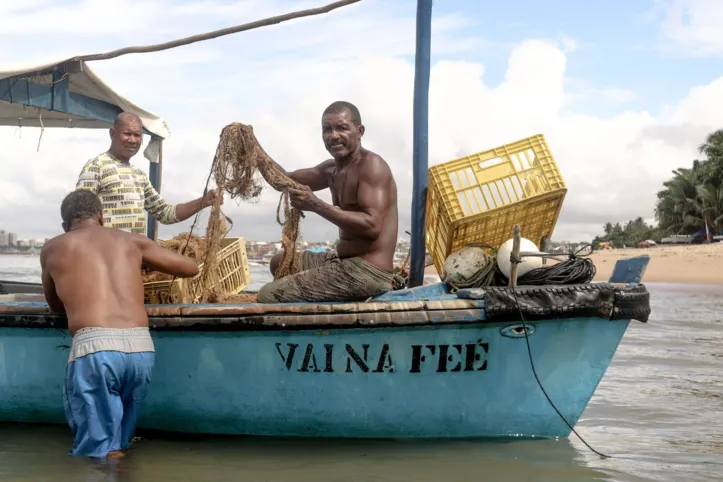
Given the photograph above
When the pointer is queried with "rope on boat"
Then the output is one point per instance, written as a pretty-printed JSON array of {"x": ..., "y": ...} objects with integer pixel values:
[
  {"x": 577, "y": 269},
  {"x": 472, "y": 267},
  {"x": 539, "y": 383}
]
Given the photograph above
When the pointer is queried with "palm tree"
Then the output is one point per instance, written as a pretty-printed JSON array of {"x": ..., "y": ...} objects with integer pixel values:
[
  {"x": 713, "y": 146},
  {"x": 709, "y": 206},
  {"x": 678, "y": 200}
]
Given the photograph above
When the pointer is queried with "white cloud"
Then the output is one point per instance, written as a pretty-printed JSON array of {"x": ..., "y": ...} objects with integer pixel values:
[
  {"x": 569, "y": 44},
  {"x": 280, "y": 81},
  {"x": 691, "y": 26},
  {"x": 579, "y": 91}
]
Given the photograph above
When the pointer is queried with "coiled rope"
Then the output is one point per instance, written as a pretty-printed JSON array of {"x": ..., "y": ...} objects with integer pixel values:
[{"x": 577, "y": 269}]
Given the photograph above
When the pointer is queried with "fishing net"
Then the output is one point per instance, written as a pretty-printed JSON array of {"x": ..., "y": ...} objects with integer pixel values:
[
  {"x": 239, "y": 163},
  {"x": 195, "y": 249},
  {"x": 238, "y": 167},
  {"x": 204, "y": 251}
]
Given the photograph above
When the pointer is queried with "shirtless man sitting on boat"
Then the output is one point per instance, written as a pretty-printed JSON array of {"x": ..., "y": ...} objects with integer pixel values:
[
  {"x": 93, "y": 274},
  {"x": 364, "y": 196}
]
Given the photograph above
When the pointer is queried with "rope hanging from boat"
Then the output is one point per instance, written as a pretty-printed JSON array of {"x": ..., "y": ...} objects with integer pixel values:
[
  {"x": 539, "y": 383},
  {"x": 516, "y": 259}
]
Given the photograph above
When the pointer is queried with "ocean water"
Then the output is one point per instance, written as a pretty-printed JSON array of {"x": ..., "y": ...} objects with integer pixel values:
[
  {"x": 658, "y": 413},
  {"x": 27, "y": 268}
]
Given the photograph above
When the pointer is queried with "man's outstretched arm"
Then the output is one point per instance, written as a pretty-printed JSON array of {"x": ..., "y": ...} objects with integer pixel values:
[
  {"x": 165, "y": 260},
  {"x": 372, "y": 196},
  {"x": 314, "y": 177},
  {"x": 167, "y": 213}
]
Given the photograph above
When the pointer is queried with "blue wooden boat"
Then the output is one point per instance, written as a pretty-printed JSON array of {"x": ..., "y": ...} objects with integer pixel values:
[{"x": 416, "y": 363}]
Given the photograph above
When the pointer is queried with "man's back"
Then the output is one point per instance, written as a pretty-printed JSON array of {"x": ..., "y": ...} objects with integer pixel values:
[
  {"x": 93, "y": 274},
  {"x": 97, "y": 276}
]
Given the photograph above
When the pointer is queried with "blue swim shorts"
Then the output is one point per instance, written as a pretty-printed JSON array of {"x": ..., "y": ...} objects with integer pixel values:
[{"x": 107, "y": 378}]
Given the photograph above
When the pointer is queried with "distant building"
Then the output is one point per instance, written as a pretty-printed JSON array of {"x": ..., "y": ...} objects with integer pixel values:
[
  {"x": 13, "y": 239},
  {"x": 4, "y": 241},
  {"x": 258, "y": 249}
]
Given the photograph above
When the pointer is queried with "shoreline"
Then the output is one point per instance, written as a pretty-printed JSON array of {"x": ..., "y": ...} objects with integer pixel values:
[{"x": 680, "y": 264}]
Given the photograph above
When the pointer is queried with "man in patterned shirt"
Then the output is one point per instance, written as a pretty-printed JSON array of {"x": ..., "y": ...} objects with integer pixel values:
[{"x": 125, "y": 191}]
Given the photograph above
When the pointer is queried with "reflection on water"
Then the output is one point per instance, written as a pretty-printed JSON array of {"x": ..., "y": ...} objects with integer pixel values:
[{"x": 657, "y": 412}]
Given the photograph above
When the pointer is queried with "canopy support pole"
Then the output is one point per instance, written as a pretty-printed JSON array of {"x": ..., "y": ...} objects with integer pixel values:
[
  {"x": 421, "y": 142},
  {"x": 155, "y": 174}
]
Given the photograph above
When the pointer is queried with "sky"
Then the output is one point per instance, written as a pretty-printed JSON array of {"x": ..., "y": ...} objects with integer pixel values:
[{"x": 624, "y": 92}]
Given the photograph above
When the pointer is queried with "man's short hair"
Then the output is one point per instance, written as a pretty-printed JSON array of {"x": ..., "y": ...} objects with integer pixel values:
[
  {"x": 126, "y": 117},
  {"x": 80, "y": 205},
  {"x": 340, "y": 106}
]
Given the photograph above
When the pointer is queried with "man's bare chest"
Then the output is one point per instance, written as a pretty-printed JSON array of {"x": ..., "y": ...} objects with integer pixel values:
[{"x": 344, "y": 186}]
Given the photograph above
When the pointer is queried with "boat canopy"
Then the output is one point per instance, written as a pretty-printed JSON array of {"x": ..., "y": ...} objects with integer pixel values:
[{"x": 66, "y": 93}]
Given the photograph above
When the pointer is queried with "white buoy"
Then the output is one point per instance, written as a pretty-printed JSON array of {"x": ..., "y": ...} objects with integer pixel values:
[{"x": 528, "y": 262}]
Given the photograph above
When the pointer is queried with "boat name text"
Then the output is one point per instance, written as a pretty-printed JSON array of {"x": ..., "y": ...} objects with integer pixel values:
[{"x": 348, "y": 358}]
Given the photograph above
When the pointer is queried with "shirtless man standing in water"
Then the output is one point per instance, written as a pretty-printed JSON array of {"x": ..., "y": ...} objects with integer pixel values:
[
  {"x": 364, "y": 197},
  {"x": 93, "y": 274}
]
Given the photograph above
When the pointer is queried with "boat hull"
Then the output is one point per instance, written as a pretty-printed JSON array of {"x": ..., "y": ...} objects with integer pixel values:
[
  {"x": 419, "y": 363},
  {"x": 465, "y": 380}
]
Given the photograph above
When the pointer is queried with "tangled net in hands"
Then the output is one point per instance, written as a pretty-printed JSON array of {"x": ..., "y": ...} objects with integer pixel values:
[
  {"x": 238, "y": 161},
  {"x": 236, "y": 167}
]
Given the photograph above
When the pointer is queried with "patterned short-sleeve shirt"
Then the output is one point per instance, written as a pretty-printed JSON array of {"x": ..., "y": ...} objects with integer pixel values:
[{"x": 125, "y": 192}]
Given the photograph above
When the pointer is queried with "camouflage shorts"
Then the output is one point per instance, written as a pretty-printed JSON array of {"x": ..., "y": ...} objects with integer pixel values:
[{"x": 326, "y": 277}]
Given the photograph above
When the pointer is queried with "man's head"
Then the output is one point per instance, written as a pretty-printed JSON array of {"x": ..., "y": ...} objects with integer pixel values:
[
  {"x": 341, "y": 129},
  {"x": 79, "y": 206},
  {"x": 126, "y": 136}
]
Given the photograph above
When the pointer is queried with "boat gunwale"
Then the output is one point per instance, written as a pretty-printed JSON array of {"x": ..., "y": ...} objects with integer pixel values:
[
  {"x": 605, "y": 301},
  {"x": 212, "y": 324},
  {"x": 426, "y": 306},
  {"x": 29, "y": 307}
]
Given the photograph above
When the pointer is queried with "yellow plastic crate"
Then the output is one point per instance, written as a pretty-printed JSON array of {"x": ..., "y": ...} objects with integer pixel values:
[
  {"x": 233, "y": 276},
  {"x": 479, "y": 198}
]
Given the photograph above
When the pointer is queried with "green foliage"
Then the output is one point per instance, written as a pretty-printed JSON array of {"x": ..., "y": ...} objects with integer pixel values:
[
  {"x": 693, "y": 197},
  {"x": 690, "y": 200},
  {"x": 630, "y": 235}
]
